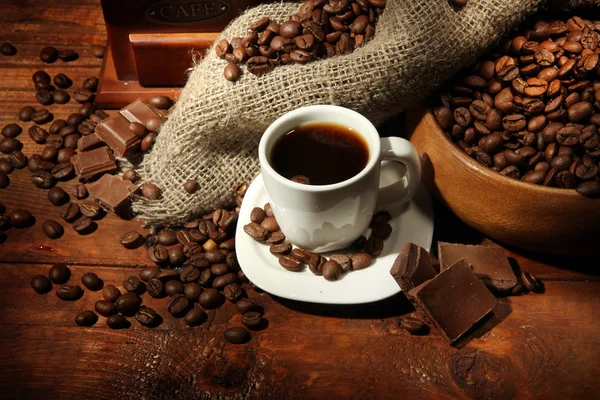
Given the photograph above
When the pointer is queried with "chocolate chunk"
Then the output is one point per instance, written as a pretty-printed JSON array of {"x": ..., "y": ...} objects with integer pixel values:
[
  {"x": 490, "y": 264},
  {"x": 142, "y": 112},
  {"x": 412, "y": 267},
  {"x": 112, "y": 193},
  {"x": 114, "y": 131},
  {"x": 89, "y": 142},
  {"x": 93, "y": 163},
  {"x": 453, "y": 300}
]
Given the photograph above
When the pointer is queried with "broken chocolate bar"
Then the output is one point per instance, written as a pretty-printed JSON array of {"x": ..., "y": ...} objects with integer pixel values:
[
  {"x": 490, "y": 264},
  {"x": 142, "y": 112},
  {"x": 89, "y": 142},
  {"x": 412, "y": 267},
  {"x": 91, "y": 164},
  {"x": 454, "y": 300},
  {"x": 112, "y": 193},
  {"x": 114, "y": 131}
]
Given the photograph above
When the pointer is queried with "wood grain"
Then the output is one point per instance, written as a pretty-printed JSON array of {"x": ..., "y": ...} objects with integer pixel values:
[{"x": 533, "y": 346}]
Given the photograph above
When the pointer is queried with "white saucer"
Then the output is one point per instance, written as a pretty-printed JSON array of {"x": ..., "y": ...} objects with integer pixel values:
[{"x": 411, "y": 222}]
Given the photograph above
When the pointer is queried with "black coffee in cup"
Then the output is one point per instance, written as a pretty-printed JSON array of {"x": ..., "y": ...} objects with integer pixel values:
[{"x": 319, "y": 154}]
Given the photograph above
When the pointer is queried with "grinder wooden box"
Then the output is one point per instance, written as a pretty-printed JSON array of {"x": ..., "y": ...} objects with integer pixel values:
[{"x": 151, "y": 44}]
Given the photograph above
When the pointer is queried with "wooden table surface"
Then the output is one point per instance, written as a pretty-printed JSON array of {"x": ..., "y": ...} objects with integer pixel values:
[{"x": 533, "y": 346}]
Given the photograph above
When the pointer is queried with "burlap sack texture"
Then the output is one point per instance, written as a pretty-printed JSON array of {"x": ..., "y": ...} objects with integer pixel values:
[{"x": 213, "y": 132}]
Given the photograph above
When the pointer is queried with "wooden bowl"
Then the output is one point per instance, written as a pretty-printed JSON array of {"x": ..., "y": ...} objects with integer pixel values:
[{"x": 525, "y": 215}]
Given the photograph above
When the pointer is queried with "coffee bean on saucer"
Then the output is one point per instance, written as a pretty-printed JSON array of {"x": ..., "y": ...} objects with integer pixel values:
[
  {"x": 315, "y": 264},
  {"x": 146, "y": 316},
  {"x": 257, "y": 215},
  {"x": 237, "y": 335},
  {"x": 280, "y": 249},
  {"x": 69, "y": 292},
  {"x": 412, "y": 325},
  {"x": 91, "y": 281},
  {"x": 26, "y": 113},
  {"x": 301, "y": 255},
  {"x": 20, "y": 218},
  {"x": 105, "y": 308},
  {"x": 57, "y": 196},
  {"x": 256, "y": 231},
  {"x": 331, "y": 270},
  {"x": 361, "y": 260},
  {"x": 530, "y": 282},
  {"x": 8, "y": 49},
  {"x": 374, "y": 246},
  {"x": 380, "y": 218},
  {"x": 128, "y": 303},
  {"x": 270, "y": 223},
  {"x": 343, "y": 260},
  {"x": 11, "y": 130},
  {"x": 86, "y": 318},
  {"x": 62, "y": 81},
  {"x": 68, "y": 55},
  {"x": 52, "y": 229},
  {"x": 49, "y": 54},
  {"x": 196, "y": 316},
  {"x": 41, "y": 284},
  {"x": 59, "y": 273},
  {"x": 290, "y": 263},
  {"x": 111, "y": 293},
  {"x": 382, "y": 231},
  {"x": 117, "y": 322}
]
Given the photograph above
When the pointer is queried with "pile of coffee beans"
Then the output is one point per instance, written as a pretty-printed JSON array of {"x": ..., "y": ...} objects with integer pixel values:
[
  {"x": 320, "y": 29},
  {"x": 530, "y": 109},
  {"x": 264, "y": 228}
]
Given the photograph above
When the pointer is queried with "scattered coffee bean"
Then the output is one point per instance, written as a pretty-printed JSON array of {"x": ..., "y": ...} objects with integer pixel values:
[
  {"x": 156, "y": 288},
  {"x": 196, "y": 316},
  {"x": 361, "y": 260},
  {"x": 20, "y": 218},
  {"x": 147, "y": 316},
  {"x": 252, "y": 319},
  {"x": 80, "y": 191},
  {"x": 59, "y": 273},
  {"x": 62, "y": 81},
  {"x": 68, "y": 55},
  {"x": 70, "y": 212},
  {"x": 192, "y": 291},
  {"x": 191, "y": 186},
  {"x": 111, "y": 293},
  {"x": 131, "y": 240},
  {"x": 57, "y": 196},
  {"x": 148, "y": 273},
  {"x": 148, "y": 141},
  {"x": 26, "y": 113},
  {"x": 60, "y": 96},
  {"x": 91, "y": 209},
  {"x": 105, "y": 308},
  {"x": 128, "y": 303},
  {"x": 167, "y": 237},
  {"x": 52, "y": 229},
  {"x": 178, "y": 305},
  {"x": 41, "y": 284},
  {"x": 412, "y": 325},
  {"x": 42, "y": 116},
  {"x": 11, "y": 130},
  {"x": 9, "y": 144},
  {"x": 117, "y": 322},
  {"x": 133, "y": 284},
  {"x": 18, "y": 159},
  {"x": 82, "y": 95},
  {"x": 530, "y": 282},
  {"x": 98, "y": 51},
  {"x": 86, "y": 318},
  {"x": 6, "y": 166},
  {"x": 69, "y": 292},
  {"x": 173, "y": 287},
  {"x": 65, "y": 154},
  {"x": 90, "y": 84},
  {"x": 84, "y": 226},
  {"x": 210, "y": 298},
  {"x": 244, "y": 306},
  {"x": 8, "y": 49},
  {"x": 237, "y": 335},
  {"x": 233, "y": 291},
  {"x": 91, "y": 281},
  {"x": 49, "y": 54},
  {"x": 44, "y": 97},
  {"x": 130, "y": 175},
  {"x": 160, "y": 102},
  {"x": 42, "y": 179},
  {"x": 40, "y": 76},
  {"x": 150, "y": 191},
  {"x": 38, "y": 134},
  {"x": 232, "y": 72}
]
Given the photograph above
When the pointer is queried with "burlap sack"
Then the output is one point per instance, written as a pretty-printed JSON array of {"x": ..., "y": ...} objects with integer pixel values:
[{"x": 213, "y": 132}]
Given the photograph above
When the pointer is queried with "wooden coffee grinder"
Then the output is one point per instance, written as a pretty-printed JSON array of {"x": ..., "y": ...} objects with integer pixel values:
[{"x": 151, "y": 44}]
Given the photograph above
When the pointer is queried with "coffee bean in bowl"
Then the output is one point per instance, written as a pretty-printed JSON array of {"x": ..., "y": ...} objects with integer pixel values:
[{"x": 505, "y": 138}]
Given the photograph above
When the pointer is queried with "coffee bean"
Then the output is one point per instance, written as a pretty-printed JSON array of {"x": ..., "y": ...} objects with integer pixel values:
[
  {"x": 41, "y": 116},
  {"x": 90, "y": 84},
  {"x": 20, "y": 218},
  {"x": 413, "y": 325},
  {"x": 6, "y": 167},
  {"x": 280, "y": 249},
  {"x": 131, "y": 240},
  {"x": 331, "y": 270},
  {"x": 62, "y": 81},
  {"x": 117, "y": 322},
  {"x": 26, "y": 113},
  {"x": 252, "y": 319},
  {"x": 59, "y": 273},
  {"x": 160, "y": 102},
  {"x": 167, "y": 237},
  {"x": 69, "y": 292},
  {"x": 290, "y": 263},
  {"x": 173, "y": 287},
  {"x": 256, "y": 231},
  {"x": 82, "y": 95},
  {"x": 52, "y": 229},
  {"x": 84, "y": 226},
  {"x": 91, "y": 281},
  {"x": 148, "y": 141},
  {"x": 98, "y": 51},
  {"x": 4, "y": 180},
  {"x": 133, "y": 284},
  {"x": 38, "y": 134},
  {"x": 9, "y": 144},
  {"x": 530, "y": 282},
  {"x": 148, "y": 273},
  {"x": 192, "y": 291},
  {"x": 247, "y": 305},
  {"x": 237, "y": 335},
  {"x": 8, "y": 49},
  {"x": 86, "y": 318},
  {"x": 44, "y": 97},
  {"x": 150, "y": 191},
  {"x": 68, "y": 55},
  {"x": 158, "y": 254},
  {"x": 70, "y": 212},
  {"x": 49, "y": 54},
  {"x": 155, "y": 288},
  {"x": 196, "y": 316},
  {"x": 210, "y": 298},
  {"x": 221, "y": 281},
  {"x": 178, "y": 305},
  {"x": 111, "y": 293},
  {"x": 11, "y": 130},
  {"x": 232, "y": 261},
  {"x": 57, "y": 196},
  {"x": 17, "y": 159},
  {"x": 105, "y": 308},
  {"x": 60, "y": 97},
  {"x": 258, "y": 65},
  {"x": 41, "y": 284},
  {"x": 374, "y": 246},
  {"x": 128, "y": 303},
  {"x": 232, "y": 72}
]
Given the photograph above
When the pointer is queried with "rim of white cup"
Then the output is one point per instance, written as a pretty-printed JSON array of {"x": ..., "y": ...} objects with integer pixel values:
[{"x": 374, "y": 148}]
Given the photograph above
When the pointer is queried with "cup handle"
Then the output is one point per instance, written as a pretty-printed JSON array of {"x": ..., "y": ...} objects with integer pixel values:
[{"x": 402, "y": 151}]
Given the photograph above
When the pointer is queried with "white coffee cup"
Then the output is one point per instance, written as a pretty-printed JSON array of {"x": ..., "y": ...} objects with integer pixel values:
[{"x": 330, "y": 217}]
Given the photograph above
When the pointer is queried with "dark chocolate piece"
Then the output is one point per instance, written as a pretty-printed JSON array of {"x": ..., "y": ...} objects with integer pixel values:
[
  {"x": 114, "y": 131},
  {"x": 89, "y": 142},
  {"x": 490, "y": 264},
  {"x": 112, "y": 193},
  {"x": 91, "y": 164},
  {"x": 412, "y": 267},
  {"x": 142, "y": 112},
  {"x": 454, "y": 300}
]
